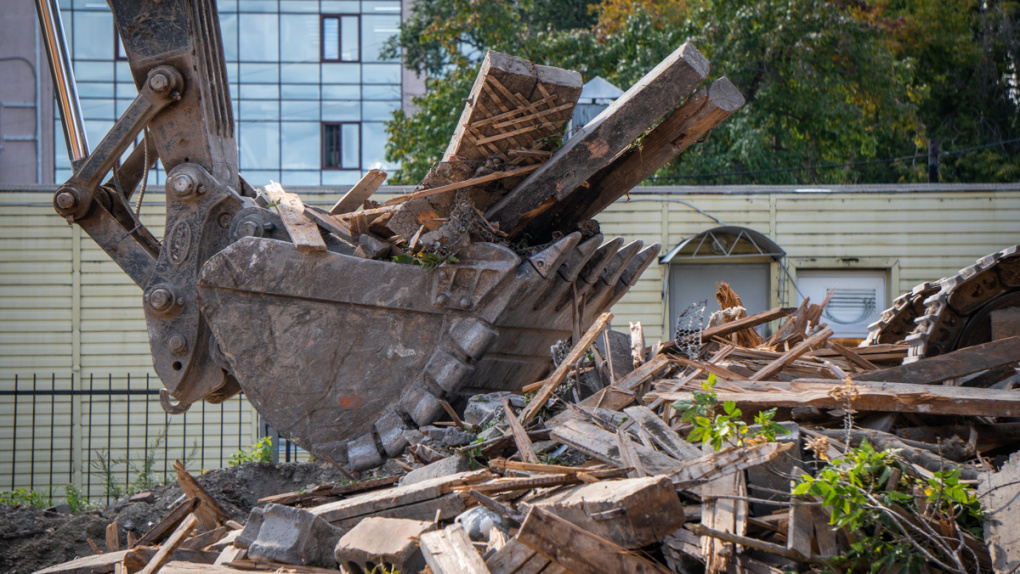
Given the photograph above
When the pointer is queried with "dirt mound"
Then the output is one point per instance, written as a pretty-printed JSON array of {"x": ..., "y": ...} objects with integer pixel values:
[{"x": 31, "y": 539}]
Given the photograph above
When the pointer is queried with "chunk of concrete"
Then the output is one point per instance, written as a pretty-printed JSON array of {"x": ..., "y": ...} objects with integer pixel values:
[
  {"x": 389, "y": 543},
  {"x": 445, "y": 467},
  {"x": 483, "y": 408},
  {"x": 294, "y": 536}
]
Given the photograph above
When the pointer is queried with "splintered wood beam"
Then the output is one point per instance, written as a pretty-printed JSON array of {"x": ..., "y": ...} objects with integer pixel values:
[
  {"x": 303, "y": 232},
  {"x": 520, "y": 435},
  {"x": 605, "y": 137},
  {"x": 667, "y": 439},
  {"x": 696, "y": 117},
  {"x": 867, "y": 396},
  {"x": 577, "y": 549},
  {"x": 554, "y": 380},
  {"x": 999, "y": 494},
  {"x": 450, "y": 551},
  {"x": 792, "y": 355},
  {"x": 462, "y": 184},
  {"x": 616, "y": 397},
  {"x": 605, "y": 446},
  {"x": 167, "y": 549},
  {"x": 718, "y": 464},
  {"x": 356, "y": 196},
  {"x": 950, "y": 365},
  {"x": 209, "y": 512}
]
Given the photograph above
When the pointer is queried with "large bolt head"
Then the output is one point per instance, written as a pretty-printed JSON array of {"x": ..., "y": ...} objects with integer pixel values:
[
  {"x": 66, "y": 199},
  {"x": 182, "y": 184},
  {"x": 161, "y": 299},
  {"x": 250, "y": 228},
  {"x": 177, "y": 344},
  {"x": 158, "y": 82}
]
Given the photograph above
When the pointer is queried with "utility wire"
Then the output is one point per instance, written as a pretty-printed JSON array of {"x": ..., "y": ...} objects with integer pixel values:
[{"x": 831, "y": 165}]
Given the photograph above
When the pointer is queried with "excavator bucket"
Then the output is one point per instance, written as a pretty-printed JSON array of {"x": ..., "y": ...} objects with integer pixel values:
[{"x": 342, "y": 354}]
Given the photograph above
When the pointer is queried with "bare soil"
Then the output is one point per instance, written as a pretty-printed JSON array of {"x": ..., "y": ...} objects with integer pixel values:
[{"x": 31, "y": 539}]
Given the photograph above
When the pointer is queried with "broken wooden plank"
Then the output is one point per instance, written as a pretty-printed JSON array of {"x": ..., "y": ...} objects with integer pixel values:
[
  {"x": 529, "y": 483},
  {"x": 618, "y": 396},
  {"x": 604, "y": 138},
  {"x": 556, "y": 379},
  {"x": 868, "y": 396},
  {"x": 631, "y": 512},
  {"x": 516, "y": 558},
  {"x": 716, "y": 464},
  {"x": 768, "y": 547},
  {"x": 96, "y": 564},
  {"x": 577, "y": 549},
  {"x": 462, "y": 184},
  {"x": 112, "y": 537},
  {"x": 200, "y": 541},
  {"x": 667, "y": 439},
  {"x": 637, "y": 344},
  {"x": 698, "y": 115},
  {"x": 107, "y": 562},
  {"x": 383, "y": 500},
  {"x": 303, "y": 232},
  {"x": 291, "y": 498},
  {"x": 520, "y": 435},
  {"x": 449, "y": 551},
  {"x": 723, "y": 514},
  {"x": 603, "y": 445},
  {"x": 999, "y": 494},
  {"x": 791, "y": 355},
  {"x": 330, "y": 223},
  {"x": 209, "y": 512},
  {"x": 356, "y": 196},
  {"x": 137, "y": 559},
  {"x": 169, "y": 522},
  {"x": 167, "y": 549},
  {"x": 958, "y": 363}
]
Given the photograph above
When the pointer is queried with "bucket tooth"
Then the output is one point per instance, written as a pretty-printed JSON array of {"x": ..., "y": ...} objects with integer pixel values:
[
  {"x": 590, "y": 272},
  {"x": 548, "y": 260},
  {"x": 629, "y": 278},
  {"x": 569, "y": 271}
]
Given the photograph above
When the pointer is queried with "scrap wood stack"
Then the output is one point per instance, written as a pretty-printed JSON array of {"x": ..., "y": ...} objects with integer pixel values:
[
  {"x": 505, "y": 175},
  {"x": 627, "y": 478}
]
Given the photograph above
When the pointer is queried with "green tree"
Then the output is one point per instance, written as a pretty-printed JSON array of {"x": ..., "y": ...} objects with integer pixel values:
[
  {"x": 965, "y": 55},
  {"x": 834, "y": 88}
]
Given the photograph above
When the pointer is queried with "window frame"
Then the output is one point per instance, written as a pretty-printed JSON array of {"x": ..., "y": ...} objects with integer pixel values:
[
  {"x": 322, "y": 142},
  {"x": 322, "y": 38}
]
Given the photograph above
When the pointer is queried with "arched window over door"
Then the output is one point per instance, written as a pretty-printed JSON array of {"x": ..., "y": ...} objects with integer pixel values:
[{"x": 742, "y": 257}]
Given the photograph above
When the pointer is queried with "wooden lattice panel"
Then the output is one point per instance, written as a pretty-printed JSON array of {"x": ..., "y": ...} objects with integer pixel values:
[{"x": 514, "y": 109}]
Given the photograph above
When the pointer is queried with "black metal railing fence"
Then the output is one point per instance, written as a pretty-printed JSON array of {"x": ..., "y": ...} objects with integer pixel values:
[{"x": 107, "y": 436}]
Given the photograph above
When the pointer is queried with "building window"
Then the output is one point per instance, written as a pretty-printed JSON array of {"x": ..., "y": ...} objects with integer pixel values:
[
  {"x": 341, "y": 145},
  {"x": 341, "y": 38}
]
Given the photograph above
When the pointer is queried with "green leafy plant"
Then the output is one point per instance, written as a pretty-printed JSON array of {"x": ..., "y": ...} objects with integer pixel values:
[
  {"x": 26, "y": 497},
  {"x": 76, "y": 499},
  {"x": 727, "y": 428},
  {"x": 895, "y": 521},
  {"x": 261, "y": 451},
  {"x": 103, "y": 467}
]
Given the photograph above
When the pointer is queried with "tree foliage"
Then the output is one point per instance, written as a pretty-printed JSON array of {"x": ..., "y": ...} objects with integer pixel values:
[{"x": 836, "y": 89}]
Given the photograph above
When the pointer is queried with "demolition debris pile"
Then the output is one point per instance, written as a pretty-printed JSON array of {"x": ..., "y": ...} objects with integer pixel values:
[{"x": 595, "y": 470}]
